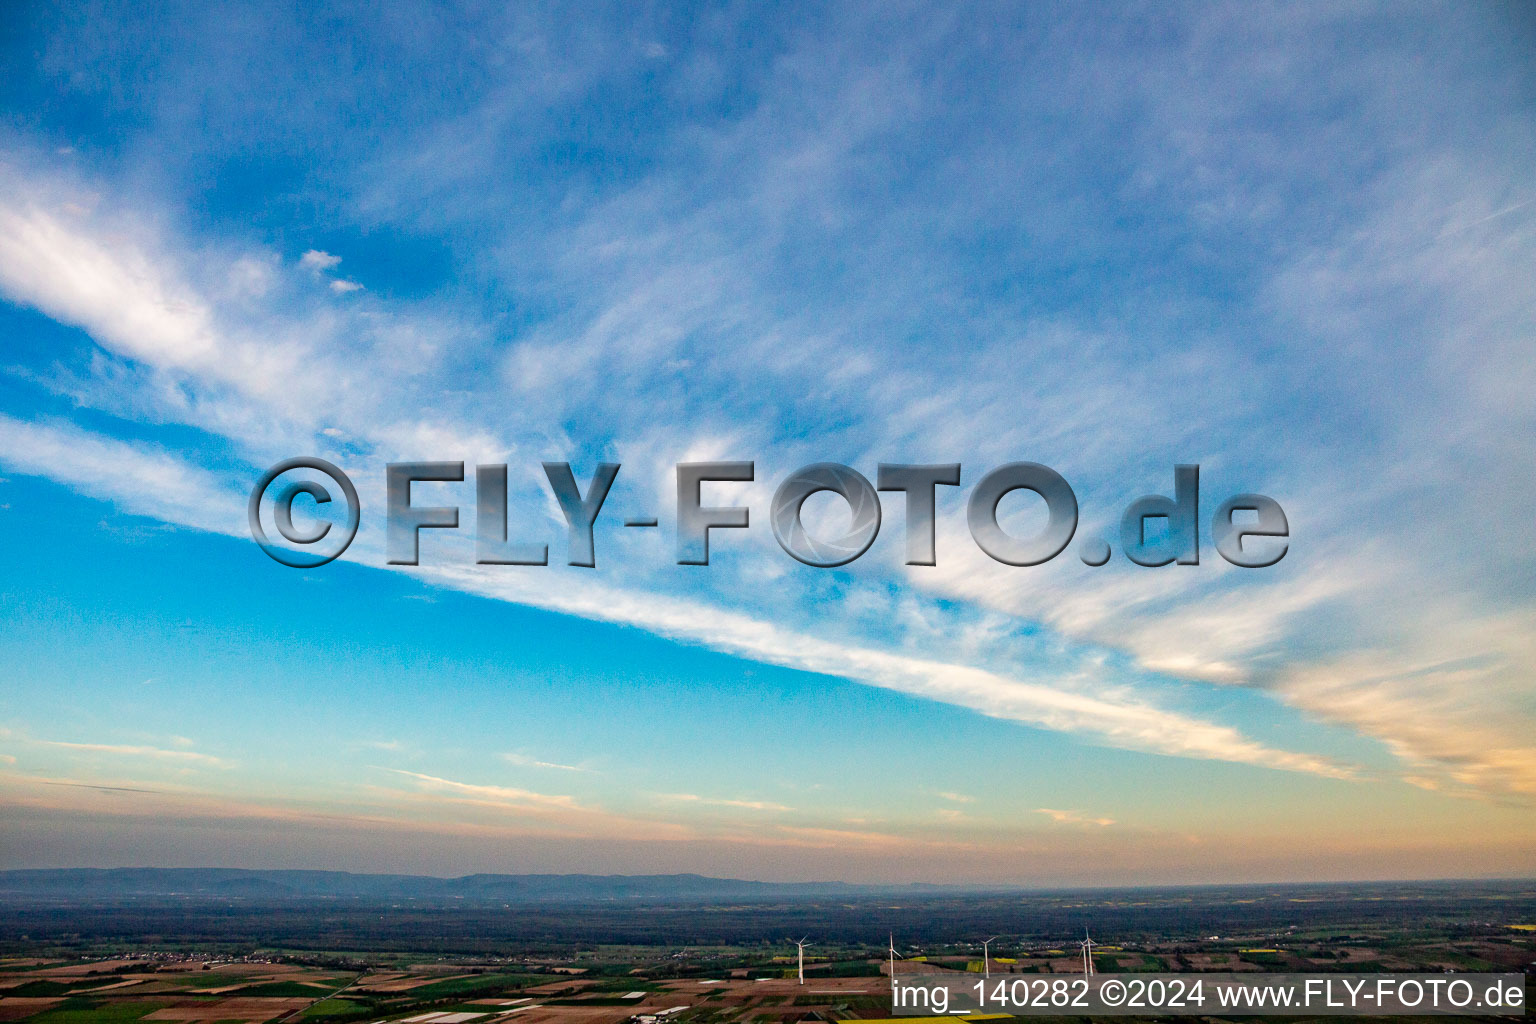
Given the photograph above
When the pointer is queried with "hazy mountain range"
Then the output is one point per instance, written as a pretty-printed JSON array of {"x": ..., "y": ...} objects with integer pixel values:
[{"x": 128, "y": 883}]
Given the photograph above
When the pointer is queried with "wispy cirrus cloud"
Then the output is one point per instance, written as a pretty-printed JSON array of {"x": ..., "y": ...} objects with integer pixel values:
[
  {"x": 525, "y": 761},
  {"x": 134, "y": 751},
  {"x": 140, "y": 479},
  {"x": 1073, "y": 817},
  {"x": 746, "y": 805},
  {"x": 506, "y": 794},
  {"x": 1133, "y": 723},
  {"x": 716, "y": 286},
  {"x": 542, "y": 813},
  {"x": 1137, "y": 724}
]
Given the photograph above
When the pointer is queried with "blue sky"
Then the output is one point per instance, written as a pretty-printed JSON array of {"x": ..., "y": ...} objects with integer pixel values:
[{"x": 1289, "y": 244}]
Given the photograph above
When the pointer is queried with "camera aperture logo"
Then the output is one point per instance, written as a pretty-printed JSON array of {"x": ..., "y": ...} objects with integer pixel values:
[{"x": 1155, "y": 530}]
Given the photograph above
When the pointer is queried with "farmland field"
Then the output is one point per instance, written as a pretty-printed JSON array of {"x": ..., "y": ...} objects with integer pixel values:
[{"x": 108, "y": 961}]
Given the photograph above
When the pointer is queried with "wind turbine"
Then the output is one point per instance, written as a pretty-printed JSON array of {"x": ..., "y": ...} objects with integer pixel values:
[
  {"x": 1087, "y": 945},
  {"x": 986, "y": 960},
  {"x": 800, "y": 947},
  {"x": 894, "y": 957}
]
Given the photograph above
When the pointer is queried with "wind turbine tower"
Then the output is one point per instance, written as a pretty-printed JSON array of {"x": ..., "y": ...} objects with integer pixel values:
[
  {"x": 800, "y": 947},
  {"x": 1087, "y": 945},
  {"x": 986, "y": 958}
]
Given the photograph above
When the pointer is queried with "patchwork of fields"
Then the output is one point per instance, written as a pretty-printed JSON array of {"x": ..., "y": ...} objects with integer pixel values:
[{"x": 620, "y": 985}]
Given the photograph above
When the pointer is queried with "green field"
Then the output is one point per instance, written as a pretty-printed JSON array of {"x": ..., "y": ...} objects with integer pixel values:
[{"x": 90, "y": 1011}]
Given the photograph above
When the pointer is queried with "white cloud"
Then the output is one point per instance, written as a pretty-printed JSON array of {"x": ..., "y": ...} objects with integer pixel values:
[
  {"x": 508, "y": 794},
  {"x": 341, "y": 287},
  {"x": 748, "y": 805},
  {"x": 668, "y": 281},
  {"x": 117, "y": 472},
  {"x": 107, "y": 287},
  {"x": 141, "y": 479},
  {"x": 1121, "y": 720},
  {"x": 558, "y": 813},
  {"x": 530, "y": 762},
  {"x": 1073, "y": 817},
  {"x": 117, "y": 281},
  {"x": 126, "y": 750},
  {"x": 315, "y": 259}
]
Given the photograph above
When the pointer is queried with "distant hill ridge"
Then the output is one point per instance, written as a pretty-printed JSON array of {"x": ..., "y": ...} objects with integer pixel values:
[{"x": 109, "y": 883}]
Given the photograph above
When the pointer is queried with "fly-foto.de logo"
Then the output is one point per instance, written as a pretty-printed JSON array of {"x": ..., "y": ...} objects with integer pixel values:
[{"x": 1248, "y": 530}]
